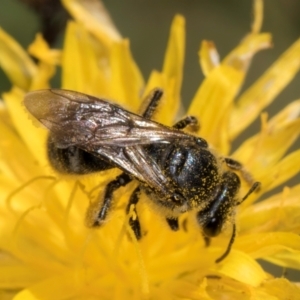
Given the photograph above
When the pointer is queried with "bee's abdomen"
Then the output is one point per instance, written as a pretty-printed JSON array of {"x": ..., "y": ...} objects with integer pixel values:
[{"x": 73, "y": 160}]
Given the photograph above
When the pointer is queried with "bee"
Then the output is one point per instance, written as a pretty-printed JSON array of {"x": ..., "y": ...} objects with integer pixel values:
[{"x": 177, "y": 170}]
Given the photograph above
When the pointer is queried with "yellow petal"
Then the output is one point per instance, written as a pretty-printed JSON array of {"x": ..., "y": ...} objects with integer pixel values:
[
  {"x": 42, "y": 78},
  {"x": 186, "y": 290},
  {"x": 258, "y": 13},
  {"x": 243, "y": 268},
  {"x": 234, "y": 290},
  {"x": 261, "y": 152},
  {"x": 17, "y": 275},
  {"x": 174, "y": 56},
  {"x": 221, "y": 285},
  {"x": 280, "y": 288},
  {"x": 65, "y": 286},
  {"x": 213, "y": 101},
  {"x": 92, "y": 69},
  {"x": 282, "y": 248},
  {"x": 126, "y": 81},
  {"x": 281, "y": 129},
  {"x": 240, "y": 58},
  {"x": 81, "y": 62},
  {"x": 4, "y": 116},
  {"x": 212, "y": 104},
  {"x": 288, "y": 114},
  {"x": 40, "y": 49},
  {"x": 34, "y": 138},
  {"x": 281, "y": 172},
  {"x": 158, "y": 79},
  {"x": 280, "y": 212},
  {"x": 94, "y": 18},
  {"x": 285, "y": 258},
  {"x": 48, "y": 59},
  {"x": 170, "y": 79},
  {"x": 265, "y": 90},
  {"x": 61, "y": 257},
  {"x": 15, "y": 62},
  {"x": 15, "y": 159},
  {"x": 209, "y": 57},
  {"x": 203, "y": 291},
  {"x": 173, "y": 62}
]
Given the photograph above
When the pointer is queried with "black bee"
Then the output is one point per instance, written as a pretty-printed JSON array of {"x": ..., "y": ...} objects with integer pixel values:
[{"x": 177, "y": 170}]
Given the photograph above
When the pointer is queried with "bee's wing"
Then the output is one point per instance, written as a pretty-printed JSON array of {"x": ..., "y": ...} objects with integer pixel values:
[
  {"x": 77, "y": 119},
  {"x": 135, "y": 161},
  {"x": 104, "y": 129}
]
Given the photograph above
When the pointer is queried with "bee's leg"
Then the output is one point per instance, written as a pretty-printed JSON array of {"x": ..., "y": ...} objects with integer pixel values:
[
  {"x": 134, "y": 219},
  {"x": 151, "y": 103},
  {"x": 237, "y": 166},
  {"x": 173, "y": 223},
  {"x": 97, "y": 213},
  {"x": 207, "y": 240},
  {"x": 187, "y": 121}
]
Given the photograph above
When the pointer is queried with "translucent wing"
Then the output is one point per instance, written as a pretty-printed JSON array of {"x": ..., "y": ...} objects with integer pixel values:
[
  {"x": 104, "y": 129},
  {"x": 77, "y": 119},
  {"x": 135, "y": 161}
]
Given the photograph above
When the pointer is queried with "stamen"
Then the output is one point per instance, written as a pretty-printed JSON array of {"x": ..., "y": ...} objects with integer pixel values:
[
  {"x": 23, "y": 216},
  {"x": 77, "y": 185},
  {"x": 142, "y": 269},
  {"x": 23, "y": 186}
]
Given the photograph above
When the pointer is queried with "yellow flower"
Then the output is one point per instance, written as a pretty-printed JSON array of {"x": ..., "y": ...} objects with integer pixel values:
[{"x": 46, "y": 250}]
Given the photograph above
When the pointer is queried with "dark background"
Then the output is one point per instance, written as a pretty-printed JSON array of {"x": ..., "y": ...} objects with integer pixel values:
[{"x": 147, "y": 22}]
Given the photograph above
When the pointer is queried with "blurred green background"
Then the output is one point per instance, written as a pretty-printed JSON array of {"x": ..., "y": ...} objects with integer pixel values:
[{"x": 147, "y": 22}]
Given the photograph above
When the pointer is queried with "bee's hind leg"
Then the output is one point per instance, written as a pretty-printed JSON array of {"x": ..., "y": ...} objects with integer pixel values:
[
  {"x": 131, "y": 208},
  {"x": 98, "y": 211}
]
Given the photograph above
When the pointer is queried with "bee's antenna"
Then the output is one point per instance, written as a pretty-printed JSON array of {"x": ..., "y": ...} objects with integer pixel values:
[
  {"x": 229, "y": 245},
  {"x": 255, "y": 186}
]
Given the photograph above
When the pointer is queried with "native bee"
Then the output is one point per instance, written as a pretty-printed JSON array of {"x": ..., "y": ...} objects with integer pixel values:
[{"x": 177, "y": 170}]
